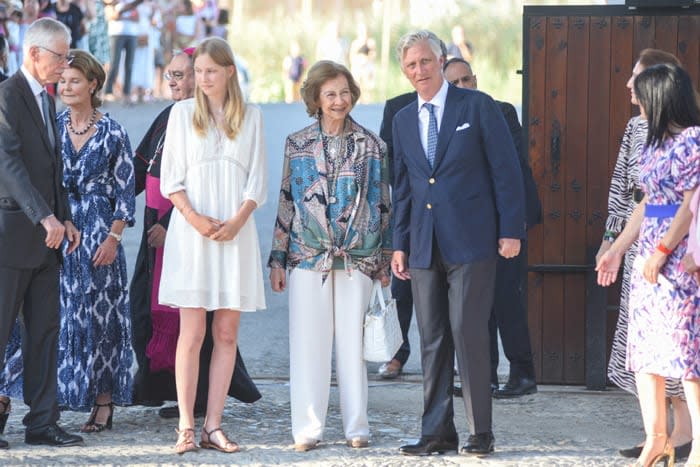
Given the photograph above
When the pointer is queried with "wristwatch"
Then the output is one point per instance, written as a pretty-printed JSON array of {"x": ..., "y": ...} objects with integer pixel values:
[{"x": 117, "y": 237}]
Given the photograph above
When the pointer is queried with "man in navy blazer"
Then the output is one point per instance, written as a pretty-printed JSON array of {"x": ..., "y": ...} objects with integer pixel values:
[{"x": 458, "y": 204}]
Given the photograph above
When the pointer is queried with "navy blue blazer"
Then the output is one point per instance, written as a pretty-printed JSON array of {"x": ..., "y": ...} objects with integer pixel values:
[{"x": 472, "y": 196}]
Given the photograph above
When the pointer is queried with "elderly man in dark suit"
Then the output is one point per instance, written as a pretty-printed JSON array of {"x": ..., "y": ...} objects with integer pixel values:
[
  {"x": 458, "y": 195},
  {"x": 509, "y": 314},
  {"x": 34, "y": 222}
]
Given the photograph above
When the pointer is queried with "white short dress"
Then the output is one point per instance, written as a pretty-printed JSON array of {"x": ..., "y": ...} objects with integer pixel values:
[{"x": 218, "y": 175}]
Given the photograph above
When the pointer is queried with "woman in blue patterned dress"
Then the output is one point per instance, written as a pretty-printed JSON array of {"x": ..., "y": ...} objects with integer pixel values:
[
  {"x": 663, "y": 338},
  {"x": 95, "y": 358},
  {"x": 96, "y": 362}
]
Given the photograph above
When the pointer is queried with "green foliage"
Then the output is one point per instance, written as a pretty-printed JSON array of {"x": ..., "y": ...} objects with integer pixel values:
[{"x": 263, "y": 41}]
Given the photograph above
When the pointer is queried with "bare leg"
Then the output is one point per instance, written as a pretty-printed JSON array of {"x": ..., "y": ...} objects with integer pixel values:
[
  {"x": 652, "y": 401},
  {"x": 691, "y": 387},
  {"x": 681, "y": 432},
  {"x": 223, "y": 359},
  {"x": 189, "y": 342}
]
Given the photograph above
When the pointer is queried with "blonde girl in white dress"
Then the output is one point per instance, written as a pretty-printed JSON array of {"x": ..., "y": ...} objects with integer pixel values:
[{"x": 214, "y": 170}]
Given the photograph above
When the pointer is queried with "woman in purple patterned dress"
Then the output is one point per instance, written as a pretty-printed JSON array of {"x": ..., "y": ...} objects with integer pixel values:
[{"x": 663, "y": 338}]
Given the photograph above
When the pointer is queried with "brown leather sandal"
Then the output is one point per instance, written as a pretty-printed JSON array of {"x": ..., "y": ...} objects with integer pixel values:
[
  {"x": 207, "y": 441},
  {"x": 185, "y": 441}
]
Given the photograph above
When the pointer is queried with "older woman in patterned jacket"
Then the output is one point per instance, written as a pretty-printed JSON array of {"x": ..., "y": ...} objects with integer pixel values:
[{"x": 332, "y": 233}]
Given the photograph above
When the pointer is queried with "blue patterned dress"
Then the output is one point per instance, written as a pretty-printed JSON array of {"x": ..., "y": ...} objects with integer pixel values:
[
  {"x": 664, "y": 323},
  {"x": 94, "y": 346},
  {"x": 94, "y": 349}
]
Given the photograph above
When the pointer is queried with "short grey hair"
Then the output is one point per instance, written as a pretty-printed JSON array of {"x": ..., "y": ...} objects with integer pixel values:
[
  {"x": 412, "y": 38},
  {"x": 43, "y": 33}
]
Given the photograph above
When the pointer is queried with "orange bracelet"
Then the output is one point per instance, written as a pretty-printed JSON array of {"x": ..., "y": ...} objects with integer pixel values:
[{"x": 662, "y": 248}]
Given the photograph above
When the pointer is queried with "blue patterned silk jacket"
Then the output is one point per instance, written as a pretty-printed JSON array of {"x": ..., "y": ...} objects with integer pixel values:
[{"x": 320, "y": 228}]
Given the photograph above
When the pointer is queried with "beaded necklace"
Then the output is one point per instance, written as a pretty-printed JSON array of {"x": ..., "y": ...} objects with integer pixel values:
[
  {"x": 87, "y": 128},
  {"x": 335, "y": 152}
]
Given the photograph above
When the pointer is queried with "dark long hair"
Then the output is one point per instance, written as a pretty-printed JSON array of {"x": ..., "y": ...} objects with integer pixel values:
[{"x": 666, "y": 94}]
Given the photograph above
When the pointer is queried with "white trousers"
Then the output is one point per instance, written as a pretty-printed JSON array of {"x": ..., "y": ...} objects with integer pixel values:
[{"x": 317, "y": 314}]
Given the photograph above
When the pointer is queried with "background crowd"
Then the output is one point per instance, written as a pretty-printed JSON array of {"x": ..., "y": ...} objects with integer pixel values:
[{"x": 133, "y": 40}]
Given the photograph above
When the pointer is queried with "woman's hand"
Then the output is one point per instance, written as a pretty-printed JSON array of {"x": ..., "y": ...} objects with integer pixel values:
[
  {"x": 278, "y": 279},
  {"x": 653, "y": 265},
  {"x": 384, "y": 278},
  {"x": 205, "y": 225},
  {"x": 228, "y": 230},
  {"x": 689, "y": 265},
  {"x": 607, "y": 266},
  {"x": 106, "y": 252},
  {"x": 604, "y": 246},
  {"x": 156, "y": 236}
]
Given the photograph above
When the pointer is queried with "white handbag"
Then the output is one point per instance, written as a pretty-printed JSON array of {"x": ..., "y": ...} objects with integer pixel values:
[{"x": 382, "y": 334}]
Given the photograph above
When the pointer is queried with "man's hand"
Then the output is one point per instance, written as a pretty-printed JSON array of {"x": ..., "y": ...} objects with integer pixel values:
[
  {"x": 55, "y": 231},
  {"x": 399, "y": 265},
  {"x": 509, "y": 247},
  {"x": 156, "y": 236},
  {"x": 72, "y": 235}
]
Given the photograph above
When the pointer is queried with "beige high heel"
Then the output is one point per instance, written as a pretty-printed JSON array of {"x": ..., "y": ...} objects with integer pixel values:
[{"x": 668, "y": 455}]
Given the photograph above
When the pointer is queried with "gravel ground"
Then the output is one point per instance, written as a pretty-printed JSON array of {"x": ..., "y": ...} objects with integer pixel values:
[{"x": 559, "y": 426}]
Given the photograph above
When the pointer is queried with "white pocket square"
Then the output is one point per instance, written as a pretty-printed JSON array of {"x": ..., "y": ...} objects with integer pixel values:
[{"x": 462, "y": 127}]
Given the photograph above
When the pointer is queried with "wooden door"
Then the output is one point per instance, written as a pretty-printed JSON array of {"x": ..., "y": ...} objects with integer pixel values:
[{"x": 576, "y": 62}]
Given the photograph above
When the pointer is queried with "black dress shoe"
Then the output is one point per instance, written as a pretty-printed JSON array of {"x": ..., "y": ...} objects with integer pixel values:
[
  {"x": 426, "y": 447},
  {"x": 516, "y": 388},
  {"x": 457, "y": 389},
  {"x": 54, "y": 435},
  {"x": 480, "y": 443},
  {"x": 4, "y": 444}
]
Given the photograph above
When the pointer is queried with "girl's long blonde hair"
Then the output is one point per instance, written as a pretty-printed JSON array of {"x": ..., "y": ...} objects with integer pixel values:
[{"x": 234, "y": 105}]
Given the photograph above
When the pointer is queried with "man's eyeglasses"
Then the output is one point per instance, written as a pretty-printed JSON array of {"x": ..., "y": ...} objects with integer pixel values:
[
  {"x": 68, "y": 58},
  {"x": 176, "y": 75}
]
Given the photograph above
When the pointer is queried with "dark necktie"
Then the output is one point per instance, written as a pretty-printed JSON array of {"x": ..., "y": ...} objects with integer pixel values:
[
  {"x": 45, "y": 107},
  {"x": 432, "y": 133}
]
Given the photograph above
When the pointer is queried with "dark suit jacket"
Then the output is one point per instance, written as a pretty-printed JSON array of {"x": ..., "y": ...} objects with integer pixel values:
[
  {"x": 391, "y": 108},
  {"x": 31, "y": 175},
  {"x": 533, "y": 207},
  {"x": 474, "y": 193}
]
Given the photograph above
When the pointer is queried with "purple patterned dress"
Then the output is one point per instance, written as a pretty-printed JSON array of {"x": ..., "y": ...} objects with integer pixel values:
[{"x": 664, "y": 327}]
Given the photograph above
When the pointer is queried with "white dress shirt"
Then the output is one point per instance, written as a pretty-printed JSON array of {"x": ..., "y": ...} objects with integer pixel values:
[
  {"x": 438, "y": 101},
  {"x": 36, "y": 88}
]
